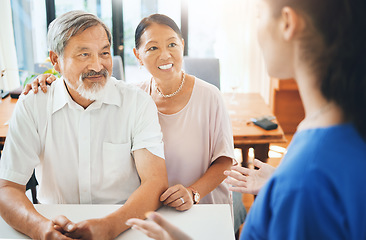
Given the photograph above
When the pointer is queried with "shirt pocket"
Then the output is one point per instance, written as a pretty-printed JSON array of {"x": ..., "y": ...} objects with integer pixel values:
[{"x": 117, "y": 161}]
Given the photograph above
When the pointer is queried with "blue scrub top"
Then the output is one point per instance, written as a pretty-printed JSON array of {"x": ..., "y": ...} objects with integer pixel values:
[{"x": 317, "y": 192}]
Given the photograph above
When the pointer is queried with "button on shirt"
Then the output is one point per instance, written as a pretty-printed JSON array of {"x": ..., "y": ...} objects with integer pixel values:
[{"x": 81, "y": 155}]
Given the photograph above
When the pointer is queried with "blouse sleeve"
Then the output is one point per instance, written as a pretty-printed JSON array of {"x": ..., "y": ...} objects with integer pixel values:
[{"x": 222, "y": 134}]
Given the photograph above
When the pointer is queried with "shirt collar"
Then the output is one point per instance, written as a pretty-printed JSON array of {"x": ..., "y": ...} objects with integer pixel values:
[
  {"x": 62, "y": 96},
  {"x": 112, "y": 95}
]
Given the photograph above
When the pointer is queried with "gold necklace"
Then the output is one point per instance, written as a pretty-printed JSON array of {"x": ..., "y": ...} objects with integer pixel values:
[{"x": 174, "y": 93}]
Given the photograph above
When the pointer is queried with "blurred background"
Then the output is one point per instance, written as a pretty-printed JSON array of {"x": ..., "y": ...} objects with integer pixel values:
[{"x": 222, "y": 29}]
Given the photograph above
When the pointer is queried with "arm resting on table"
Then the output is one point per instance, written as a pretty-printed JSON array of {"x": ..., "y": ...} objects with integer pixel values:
[
  {"x": 154, "y": 182},
  {"x": 18, "y": 212}
]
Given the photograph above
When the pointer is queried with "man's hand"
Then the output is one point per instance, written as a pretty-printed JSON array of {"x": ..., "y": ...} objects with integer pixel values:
[
  {"x": 88, "y": 229},
  {"x": 19, "y": 212},
  {"x": 158, "y": 228},
  {"x": 247, "y": 180},
  {"x": 63, "y": 224},
  {"x": 42, "y": 81},
  {"x": 177, "y": 197},
  {"x": 49, "y": 230}
]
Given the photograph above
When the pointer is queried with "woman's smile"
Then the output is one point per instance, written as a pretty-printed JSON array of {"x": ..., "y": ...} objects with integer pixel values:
[{"x": 166, "y": 66}]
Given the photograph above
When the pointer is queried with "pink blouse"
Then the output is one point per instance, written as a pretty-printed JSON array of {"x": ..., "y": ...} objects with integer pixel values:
[{"x": 195, "y": 137}]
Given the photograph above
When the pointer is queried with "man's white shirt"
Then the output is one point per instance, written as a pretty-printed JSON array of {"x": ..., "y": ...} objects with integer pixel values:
[{"x": 81, "y": 155}]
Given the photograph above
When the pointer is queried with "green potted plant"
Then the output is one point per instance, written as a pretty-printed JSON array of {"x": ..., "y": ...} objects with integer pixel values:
[{"x": 50, "y": 70}]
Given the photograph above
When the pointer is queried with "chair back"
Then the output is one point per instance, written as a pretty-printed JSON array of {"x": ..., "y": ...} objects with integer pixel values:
[
  {"x": 207, "y": 69},
  {"x": 118, "y": 68},
  {"x": 40, "y": 68}
]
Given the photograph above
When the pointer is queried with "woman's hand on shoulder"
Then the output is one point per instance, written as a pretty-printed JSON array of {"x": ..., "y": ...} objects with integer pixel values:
[
  {"x": 40, "y": 81},
  {"x": 178, "y": 197}
]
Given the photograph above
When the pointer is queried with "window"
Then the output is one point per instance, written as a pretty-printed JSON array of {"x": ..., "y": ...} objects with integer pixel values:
[
  {"x": 101, "y": 8},
  {"x": 220, "y": 29},
  {"x": 30, "y": 30},
  {"x": 227, "y": 30},
  {"x": 203, "y": 21}
]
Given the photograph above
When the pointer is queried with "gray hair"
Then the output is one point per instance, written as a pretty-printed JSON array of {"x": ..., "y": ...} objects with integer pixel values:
[{"x": 68, "y": 25}]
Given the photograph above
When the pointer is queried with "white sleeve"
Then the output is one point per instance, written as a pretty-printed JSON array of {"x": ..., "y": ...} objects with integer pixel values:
[
  {"x": 147, "y": 133},
  {"x": 22, "y": 146}
]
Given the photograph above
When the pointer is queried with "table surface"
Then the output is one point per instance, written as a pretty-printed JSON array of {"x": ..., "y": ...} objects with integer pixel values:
[
  {"x": 202, "y": 221},
  {"x": 244, "y": 106}
]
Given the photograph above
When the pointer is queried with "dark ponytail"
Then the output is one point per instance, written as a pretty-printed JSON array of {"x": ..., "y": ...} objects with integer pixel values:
[
  {"x": 344, "y": 80},
  {"x": 334, "y": 47}
]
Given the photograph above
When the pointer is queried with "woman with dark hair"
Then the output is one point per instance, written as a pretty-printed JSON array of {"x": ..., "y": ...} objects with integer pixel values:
[
  {"x": 195, "y": 124},
  {"x": 318, "y": 190}
]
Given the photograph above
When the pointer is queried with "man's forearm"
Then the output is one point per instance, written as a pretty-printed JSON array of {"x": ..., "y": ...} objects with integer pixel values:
[
  {"x": 143, "y": 200},
  {"x": 18, "y": 211},
  {"x": 154, "y": 181}
]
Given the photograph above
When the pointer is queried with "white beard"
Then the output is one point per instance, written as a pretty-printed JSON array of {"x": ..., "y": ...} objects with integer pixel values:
[{"x": 95, "y": 92}]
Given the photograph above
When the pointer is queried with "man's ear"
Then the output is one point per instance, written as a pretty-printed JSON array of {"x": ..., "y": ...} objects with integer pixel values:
[
  {"x": 291, "y": 23},
  {"x": 137, "y": 55},
  {"x": 55, "y": 60}
]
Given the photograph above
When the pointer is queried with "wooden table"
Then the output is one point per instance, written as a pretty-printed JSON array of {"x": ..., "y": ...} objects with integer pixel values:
[
  {"x": 202, "y": 221},
  {"x": 6, "y": 109},
  {"x": 242, "y": 107}
]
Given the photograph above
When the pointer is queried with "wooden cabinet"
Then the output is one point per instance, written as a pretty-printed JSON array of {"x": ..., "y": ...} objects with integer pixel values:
[{"x": 286, "y": 104}]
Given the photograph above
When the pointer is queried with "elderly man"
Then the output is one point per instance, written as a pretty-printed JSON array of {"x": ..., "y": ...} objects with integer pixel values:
[{"x": 90, "y": 138}]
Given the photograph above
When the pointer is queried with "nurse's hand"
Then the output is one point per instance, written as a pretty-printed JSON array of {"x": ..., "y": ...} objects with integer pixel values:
[
  {"x": 245, "y": 180},
  {"x": 158, "y": 228},
  {"x": 178, "y": 197},
  {"x": 40, "y": 81}
]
